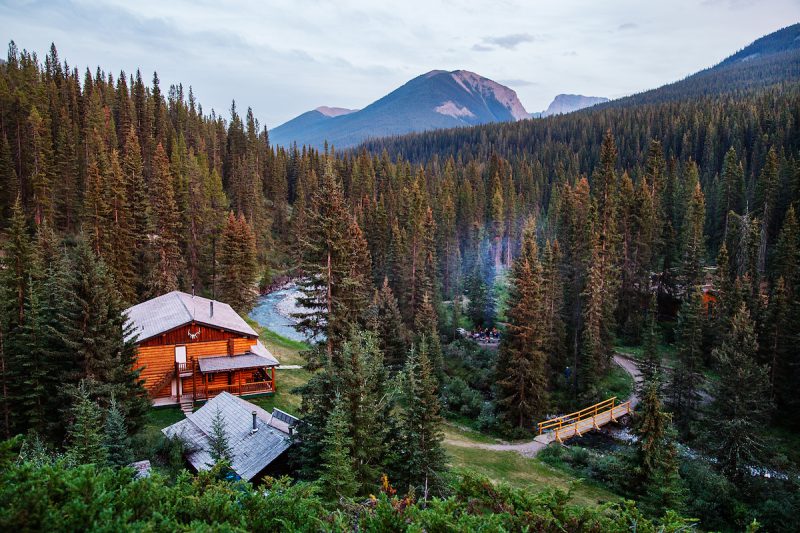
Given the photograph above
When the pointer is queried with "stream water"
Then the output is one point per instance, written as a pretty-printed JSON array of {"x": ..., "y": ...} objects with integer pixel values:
[{"x": 273, "y": 311}]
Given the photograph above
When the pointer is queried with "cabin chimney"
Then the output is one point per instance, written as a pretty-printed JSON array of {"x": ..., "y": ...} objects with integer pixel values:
[
  {"x": 255, "y": 428},
  {"x": 211, "y": 308}
]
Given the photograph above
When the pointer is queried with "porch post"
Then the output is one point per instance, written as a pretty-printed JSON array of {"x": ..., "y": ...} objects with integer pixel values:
[
  {"x": 273, "y": 378},
  {"x": 239, "y": 378}
]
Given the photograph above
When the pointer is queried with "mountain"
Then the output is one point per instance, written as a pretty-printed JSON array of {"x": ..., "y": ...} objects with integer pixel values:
[
  {"x": 769, "y": 60},
  {"x": 768, "y": 68},
  {"x": 435, "y": 100},
  {"x": 567, "y": 103}
]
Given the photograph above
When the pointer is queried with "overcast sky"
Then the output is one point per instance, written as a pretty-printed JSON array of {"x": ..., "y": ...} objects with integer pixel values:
[{"x": 288, "y": 56}]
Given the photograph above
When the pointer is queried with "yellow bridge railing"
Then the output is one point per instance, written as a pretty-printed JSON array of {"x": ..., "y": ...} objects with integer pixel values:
[{"x": 572, "y": 420}]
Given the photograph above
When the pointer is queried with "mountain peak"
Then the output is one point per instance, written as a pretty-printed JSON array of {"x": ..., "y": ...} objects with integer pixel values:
[
  {"x": 434, "y": 100},
  {"x": 334, "y": 111},
  {"x": 567, "y": 103}
]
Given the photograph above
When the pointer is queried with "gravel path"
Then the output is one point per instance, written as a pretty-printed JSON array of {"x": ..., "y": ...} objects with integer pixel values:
[{"x": 531, "y": 448}]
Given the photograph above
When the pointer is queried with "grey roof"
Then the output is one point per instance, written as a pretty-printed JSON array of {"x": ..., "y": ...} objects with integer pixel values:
[
  {"x": 235, "y": 362},
  {"x": 174, "y": 309},
  {"x": 251, "y": 452}
]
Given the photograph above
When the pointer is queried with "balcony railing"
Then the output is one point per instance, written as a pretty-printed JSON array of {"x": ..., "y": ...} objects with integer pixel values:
[{"x": 255, "y": 387}]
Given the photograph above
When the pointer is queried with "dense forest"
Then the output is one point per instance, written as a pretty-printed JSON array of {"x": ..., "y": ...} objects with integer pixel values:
[{"x": 574, "y": 235}]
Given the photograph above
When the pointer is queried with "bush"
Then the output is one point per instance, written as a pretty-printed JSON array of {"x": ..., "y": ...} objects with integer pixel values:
[{"x": 458, "y": 398}]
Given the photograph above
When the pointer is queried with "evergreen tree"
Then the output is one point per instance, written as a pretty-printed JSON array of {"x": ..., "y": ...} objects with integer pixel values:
[
  {"x": 336, "y": 263},
  {"x": 387, "y": 323},
  {"x": 116, "y": 440},
  {"x": 683, "y": 389},
  {"x": 423, "y": 459},
  {"x": 522, "y": 386},
  {"x": 95, "y": 331},
  {"x": 660, "y": 487},
  {"x": 337, "y": 476},
  {"x": 693, "y": 240},
  {"x": 426, "y": 324},
  {"x": 237, "y": 264},
  {"x": 166, "y": 275},
  {"x": 85, "y": 433},
  {"x": 650, "y": 365},
  {"x": 741, "y": 400},
  {"x": 218, "y": 444}
]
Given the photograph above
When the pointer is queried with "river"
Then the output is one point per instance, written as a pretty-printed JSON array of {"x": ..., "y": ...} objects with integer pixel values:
[{"x": 273, "y": 311}]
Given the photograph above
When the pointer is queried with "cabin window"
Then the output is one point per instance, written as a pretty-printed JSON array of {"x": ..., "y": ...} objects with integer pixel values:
[{"x": 210, "y": 378}]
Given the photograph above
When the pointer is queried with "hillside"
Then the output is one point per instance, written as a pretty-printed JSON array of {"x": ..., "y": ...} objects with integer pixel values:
[
  {"x": 773, "y": 60},
  {"x": 435, "y": 100}
]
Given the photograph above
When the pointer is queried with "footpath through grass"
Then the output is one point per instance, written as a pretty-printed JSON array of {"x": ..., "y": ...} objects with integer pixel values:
[{"x": 522, "y": 472}]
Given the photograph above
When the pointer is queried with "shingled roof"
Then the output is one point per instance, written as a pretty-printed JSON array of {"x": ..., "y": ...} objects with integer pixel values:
[
  {"x": 174, "y": 309},
  {"x": 251, "y": 451}
]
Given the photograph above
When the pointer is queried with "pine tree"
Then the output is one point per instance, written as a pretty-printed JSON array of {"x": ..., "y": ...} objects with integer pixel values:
[
  {"x": 683, "y": 389},
  {"x": 337, "y": 476},
  {"x": 138, "y": 212},
  {"x": 423, "y": 460},
  {"x": 426, "y": 324},
  {"x": 522, "y": 385},
  {"x": 733, "y": 190},
  {"x": 116, "y": 440},
  {"x": 94, "y": 329},
  {"x": 218, "y": 445},
  {"x": 741, "y": 400},
  {"x": 166, "y": 275},
  {"x": 336, "y": 289},
  {"x": 660, "y": 486},
  {"x": 387, "y": 323},
  {"x": 693, "y": 240},
  {"x": 650, "y": 365},
  {"x": 85, "y": 433},
  {"x": 237, "y": 264}
]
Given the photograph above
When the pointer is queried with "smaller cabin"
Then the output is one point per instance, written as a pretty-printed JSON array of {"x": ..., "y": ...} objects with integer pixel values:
[
  {"x": 258, "y": 440},
  {"x": 191, "y": 348}
]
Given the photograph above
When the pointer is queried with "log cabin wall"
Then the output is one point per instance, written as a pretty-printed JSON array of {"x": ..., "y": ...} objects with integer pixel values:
[{"x": 156, "y": 356}]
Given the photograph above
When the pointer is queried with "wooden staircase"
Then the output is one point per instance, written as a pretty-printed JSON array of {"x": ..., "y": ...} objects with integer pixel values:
[{"x": 161, "y": 383}]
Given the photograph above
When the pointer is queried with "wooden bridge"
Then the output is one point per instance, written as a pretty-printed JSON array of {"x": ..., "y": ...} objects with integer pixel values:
[{"x": 579, "y": 422}]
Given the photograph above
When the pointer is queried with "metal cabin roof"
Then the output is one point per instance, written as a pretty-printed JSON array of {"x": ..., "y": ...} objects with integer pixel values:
[
  {"x": 251, "y": 452},
  {"x": 175, "y": 309},
  {"x": 235, "y": 362}
]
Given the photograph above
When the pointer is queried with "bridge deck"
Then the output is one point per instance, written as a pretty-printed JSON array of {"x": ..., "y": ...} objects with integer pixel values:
[{"x": 576, "y": 424}]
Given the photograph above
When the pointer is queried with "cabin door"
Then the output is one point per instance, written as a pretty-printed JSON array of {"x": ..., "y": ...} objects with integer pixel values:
[
  {"x": 180, "y": 354},
  {"x": 180, "y": 358}
]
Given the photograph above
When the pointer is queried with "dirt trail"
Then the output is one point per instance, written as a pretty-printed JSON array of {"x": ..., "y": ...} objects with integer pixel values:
[{"x": 531, "y": 448}]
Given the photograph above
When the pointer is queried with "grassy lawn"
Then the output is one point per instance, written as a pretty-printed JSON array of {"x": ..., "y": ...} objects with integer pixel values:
[
  {"x": 617, "y": 383},
  {"x": 529, "y": 474}
]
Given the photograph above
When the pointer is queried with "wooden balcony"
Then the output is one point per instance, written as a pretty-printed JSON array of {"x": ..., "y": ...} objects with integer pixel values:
[{"x": 208, "y": 391}]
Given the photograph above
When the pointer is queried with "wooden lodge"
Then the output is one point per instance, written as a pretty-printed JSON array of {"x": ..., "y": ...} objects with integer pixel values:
[{"x": 191, "y": 348}]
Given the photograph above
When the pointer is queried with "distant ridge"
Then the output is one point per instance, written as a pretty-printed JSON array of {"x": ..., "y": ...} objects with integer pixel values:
[{"x": 434, "y": 100}]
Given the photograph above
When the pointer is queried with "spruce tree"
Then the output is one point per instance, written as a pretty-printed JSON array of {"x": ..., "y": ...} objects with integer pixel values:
[
  {"x": 423, "y": 460},
  {"x": 237, "y": 264},
  {"x": 660, "y": 487},
  {"x": 521, "y": 372},
  {"x": 85, "y": 433},
  {"x": 96, "y": 332},
  {"x": 650, "y": 365},
  {"x": 741, "y": 400},
  {"x": 337, "y": 476},
  {"x": 169, "y": 263},
  {"x": 218, "y": 444},
  {"x": 694, "y": 240},
  {"x": 426, "y": 324},
  {"x": 387, "y": 323},
  {"x": 116, "y": 440},
  {"x": 683, "y": 389}
]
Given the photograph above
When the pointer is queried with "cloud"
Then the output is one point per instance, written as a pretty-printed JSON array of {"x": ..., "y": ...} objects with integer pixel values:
[
  {"x": 627, "y": 26},
  {"x": 482, "y": 48},
  {"x": 509, "y": 42}
]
